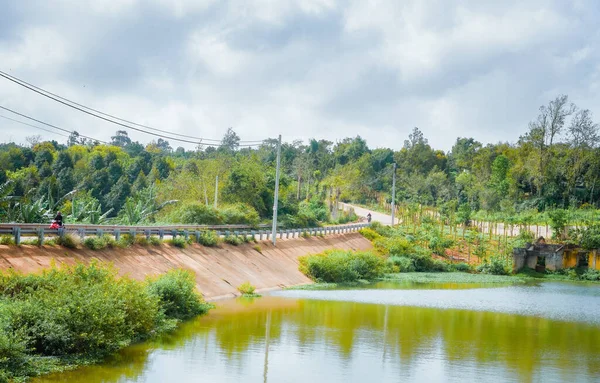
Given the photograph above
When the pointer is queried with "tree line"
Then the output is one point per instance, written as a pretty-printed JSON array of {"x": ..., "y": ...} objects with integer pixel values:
[{"x": 555, "y": 163}]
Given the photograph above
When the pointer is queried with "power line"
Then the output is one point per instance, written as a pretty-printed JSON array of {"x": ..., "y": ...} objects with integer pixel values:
[
  {"x": 70, "y": 132},
  {"x": 33, "y": 126},
  {"x": 86, "y": 109},
  {"x": 50, "y": 125}
]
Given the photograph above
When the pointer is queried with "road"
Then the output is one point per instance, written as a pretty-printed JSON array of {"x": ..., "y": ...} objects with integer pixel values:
[{"x": 375, "y": 216}]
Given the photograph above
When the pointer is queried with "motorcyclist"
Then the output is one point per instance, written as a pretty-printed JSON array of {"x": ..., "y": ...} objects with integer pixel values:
[
  {"x": 59, "y": 219},
  {"x": 369, "y": 217}
]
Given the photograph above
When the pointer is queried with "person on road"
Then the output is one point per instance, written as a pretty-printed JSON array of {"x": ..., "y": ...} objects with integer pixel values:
[
  {"x": 59, "y": 219},
  {"x": 369, "y": 217}
]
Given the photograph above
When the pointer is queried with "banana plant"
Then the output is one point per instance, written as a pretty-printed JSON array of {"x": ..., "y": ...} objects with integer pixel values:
[{"x": 142, "y": 207}]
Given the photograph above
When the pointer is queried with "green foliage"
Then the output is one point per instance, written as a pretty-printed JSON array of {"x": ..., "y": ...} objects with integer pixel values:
[
  {"x": 495, "y": 266},
  {"x": 591, "y": 275},
  {"x": 257, "y": 248},
  {"x": 588, "y": 237},
  {"x": 246, "y": 288},
  {"x": 558, "y": 222},
  {"x": 68, "y": 240},
  {"x": 239, "y": 213},
  {"x": 370, "y": 234},
  {"x": 155, "y": 241},
  {"x": 7, "y": 240},
  {"x": 84, "y": 313},
  {"x": 176, "y": 292},
  {"x": 461, "y": 267},
  {"x": 209, "y": 238},
  {"x": 233, "y": 240},
  {"x": 342, "y": 266},
  {"x": 99, "y": 243},
  {"x": 439, "y": 244},
  {"x": 179, "y": 242},
  {"x": 401, "y": 264},
  {"x": 395, "y": 245}
]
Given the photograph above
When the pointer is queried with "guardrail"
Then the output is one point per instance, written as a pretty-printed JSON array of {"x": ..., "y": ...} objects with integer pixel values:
[{"x": 42, "y": 231}]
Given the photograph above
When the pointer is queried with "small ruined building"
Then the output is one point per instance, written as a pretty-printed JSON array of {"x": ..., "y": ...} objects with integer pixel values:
[{"x": 541, "y": 256}]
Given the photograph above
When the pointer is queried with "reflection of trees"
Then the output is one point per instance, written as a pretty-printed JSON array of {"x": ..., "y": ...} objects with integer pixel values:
[{"x": 520, "y": 344}]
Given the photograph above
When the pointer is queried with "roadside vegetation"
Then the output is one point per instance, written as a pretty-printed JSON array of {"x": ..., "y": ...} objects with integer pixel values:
[{"x": 77, "y": 315}]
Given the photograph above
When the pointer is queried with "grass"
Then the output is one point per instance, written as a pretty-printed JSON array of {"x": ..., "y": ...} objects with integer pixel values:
[
  {"x": 179, "y": 242},
  {"x": 257, "y": 248},
  {"x": 455, "y": 277},
  {"x": 233, "y": 240}
]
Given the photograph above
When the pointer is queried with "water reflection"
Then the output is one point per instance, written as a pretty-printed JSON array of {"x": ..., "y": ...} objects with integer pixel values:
[{"x": 280, "y": 339}]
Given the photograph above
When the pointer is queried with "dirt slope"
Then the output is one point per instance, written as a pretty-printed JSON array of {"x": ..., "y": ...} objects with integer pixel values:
[{"x": 218, "y": 270}]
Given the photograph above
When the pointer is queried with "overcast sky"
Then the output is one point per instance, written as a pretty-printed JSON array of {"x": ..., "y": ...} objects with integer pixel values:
[{"x": 308, "y": 68}]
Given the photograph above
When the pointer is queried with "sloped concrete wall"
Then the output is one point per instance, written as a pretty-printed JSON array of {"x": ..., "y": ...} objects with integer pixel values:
[{"x": 218, "y": 270}]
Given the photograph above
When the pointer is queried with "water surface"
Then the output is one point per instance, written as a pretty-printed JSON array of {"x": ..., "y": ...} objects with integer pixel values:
[{"x": 544, "y": 333}]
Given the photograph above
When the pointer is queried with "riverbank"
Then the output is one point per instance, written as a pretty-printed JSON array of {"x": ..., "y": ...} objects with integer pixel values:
[{"x": 218, "y": 270}]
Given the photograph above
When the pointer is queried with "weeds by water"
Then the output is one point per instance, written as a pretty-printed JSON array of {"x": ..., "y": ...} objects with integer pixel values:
[{"x": 247, "y": 290}]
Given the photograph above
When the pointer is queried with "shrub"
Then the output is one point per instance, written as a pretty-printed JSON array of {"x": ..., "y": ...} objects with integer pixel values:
[
  {"x": 232, "y": 240},
  {"x": 209, "y": 238},
  {"x": 246, "y": 288},
  {"x": 239, "y": 213},
  {"x": 257, "y": 248},
  {"x": 141, "y": 240},
  {"x": 126, "y": 240},
  {"x": 496, "y": 266},
  {"x": 305, "y": 234},
  {"x": 342, "y": 266},
  {"x": 7, "y": 240},
  {"x": 155, "y": 241},
  {"x": 197, "y": 213},
  {"x": 369, "y": 234},
  {"x": 439, "y": 244},
  {"x": 68, "y": 240},
  {"x": 394, "y": 246},
  {"x": 99, "y": 243},
  {"x": 179, "y": 242},
  {"x": 84, "y": 313},
  {"x": 463, "y": 267},
  {"x": 176, "y": 293},
  {"x": 402, "y": 264},
  {"x": 32, "y": 242},
  {"x": 591, "y": 275}
]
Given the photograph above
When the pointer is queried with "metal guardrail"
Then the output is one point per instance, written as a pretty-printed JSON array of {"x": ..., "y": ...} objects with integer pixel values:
[{"x": 42, "y": 231}]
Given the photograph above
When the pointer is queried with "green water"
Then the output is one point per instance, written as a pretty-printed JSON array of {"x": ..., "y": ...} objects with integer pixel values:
[{"x": 542, "y": 333}]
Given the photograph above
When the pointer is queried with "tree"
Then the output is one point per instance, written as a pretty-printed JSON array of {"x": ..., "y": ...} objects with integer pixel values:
[
  {"x": 230, "y": 141},
  {"x": 121, "y": 139}
]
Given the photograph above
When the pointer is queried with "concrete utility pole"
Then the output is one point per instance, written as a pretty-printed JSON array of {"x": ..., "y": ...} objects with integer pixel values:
[
  {"x": 393, "y": 193},
  {"x": 274, "y": 233},
  {"x": 216, "y": 190}
]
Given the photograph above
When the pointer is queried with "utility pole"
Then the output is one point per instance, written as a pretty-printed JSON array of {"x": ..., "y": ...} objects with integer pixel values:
[
  {"x": 216, "y": 190},
  {"x": 274, "y": 233},
  {"x": 393, "y": 193}
]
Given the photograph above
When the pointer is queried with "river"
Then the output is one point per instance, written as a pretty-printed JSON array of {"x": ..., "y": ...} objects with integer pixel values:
[{"x": 545, "y": 332}]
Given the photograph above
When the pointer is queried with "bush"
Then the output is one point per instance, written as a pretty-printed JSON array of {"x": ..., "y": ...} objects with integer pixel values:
[
  {"x": 246, "y": 288},
  {"x": 197, "y": 213},
  {"x": 257, "y": 248},
  {"x": 394, "y": 246},
  {"x": 463, "y": 267},
  {"x": 496, "y": 266},
  {"x": 126, "y": 240},
  {"x": 176, "y": 293},
  {"x": 591, "y": 275},
  {"x": 209, "y": 238},
  {"x": 232, "y": 240},
  {"x": 342, "y": 266},
  {"x": 84, "y": 313},
  {"x": 99, "y": 243},
  {"x": 7, "y": 240},
  {"x": 68, "y": 240},
  {"x": 439, "y": 244},
  {"x": 155, "y": 241},
  {"x": 402, "y": 264},
  {"x": 369, "y": 234},
  {"x": 239, "y": 213},
  {"x": 179, "y": 242}
]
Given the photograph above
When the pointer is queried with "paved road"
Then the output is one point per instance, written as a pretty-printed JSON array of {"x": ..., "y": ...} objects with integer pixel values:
[{"x": 375, "y": 216}]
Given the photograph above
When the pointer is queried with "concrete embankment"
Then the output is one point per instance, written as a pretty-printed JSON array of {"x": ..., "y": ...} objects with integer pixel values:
[{"x": 218, "y": 270}]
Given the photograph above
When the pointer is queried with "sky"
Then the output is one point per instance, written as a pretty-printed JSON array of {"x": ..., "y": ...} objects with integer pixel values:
[{"x": 322, "y": 69}]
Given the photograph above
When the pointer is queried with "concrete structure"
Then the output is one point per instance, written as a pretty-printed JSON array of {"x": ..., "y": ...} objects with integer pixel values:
[
  {"x": 218, "y": 270},
  {"x": 541, "y": 256}
]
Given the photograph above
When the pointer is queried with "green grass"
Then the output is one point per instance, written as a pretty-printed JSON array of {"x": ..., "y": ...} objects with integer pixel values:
[{"x": 456, "y": 277}]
